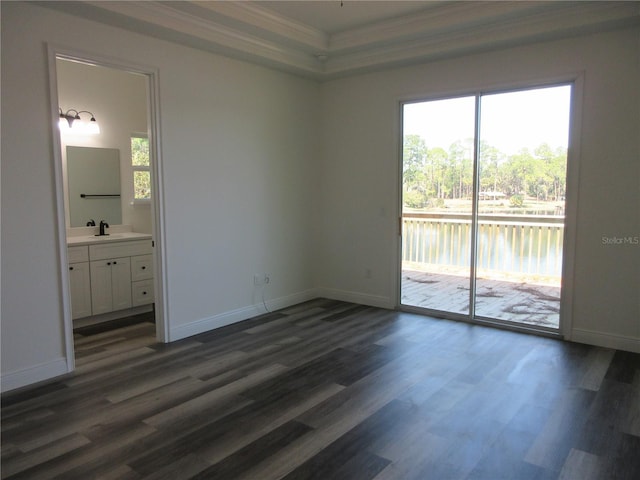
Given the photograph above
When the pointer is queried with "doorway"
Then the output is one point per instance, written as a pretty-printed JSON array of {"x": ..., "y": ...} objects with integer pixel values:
[
  {"x": 483, "y": 206},
  {"x": 121, "y": 103}
]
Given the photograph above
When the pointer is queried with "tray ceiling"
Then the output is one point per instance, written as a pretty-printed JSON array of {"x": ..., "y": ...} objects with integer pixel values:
[{"x": 328, "y": 39}]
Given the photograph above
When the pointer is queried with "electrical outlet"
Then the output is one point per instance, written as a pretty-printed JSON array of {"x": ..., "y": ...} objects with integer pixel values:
[{"x": 261, "y": 279}]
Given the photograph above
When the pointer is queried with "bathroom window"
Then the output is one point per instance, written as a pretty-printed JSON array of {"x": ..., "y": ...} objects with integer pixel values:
[{"x": 141, "y": 168}]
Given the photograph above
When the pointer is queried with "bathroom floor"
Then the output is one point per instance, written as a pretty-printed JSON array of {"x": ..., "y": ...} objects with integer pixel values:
[{"x": 116, "y": 337}]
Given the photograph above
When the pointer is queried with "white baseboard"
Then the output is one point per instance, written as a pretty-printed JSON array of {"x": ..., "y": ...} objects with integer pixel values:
[
  {"x": 606, "y": 340},
  {"x": 234, "y": 316},
  {"x": 356, "y": 297},
  {"x": 34, "y": 374}
]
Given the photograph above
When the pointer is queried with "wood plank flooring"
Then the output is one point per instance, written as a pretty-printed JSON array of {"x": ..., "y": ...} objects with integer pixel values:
[{"x": 330, "y": 390}]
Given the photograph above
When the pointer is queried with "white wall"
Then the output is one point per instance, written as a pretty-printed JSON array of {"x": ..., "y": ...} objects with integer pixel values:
[
  {"x": 240, "y": 153},
  {"x": 360, "y": 173},
  {"x": 118, "y": 99}
]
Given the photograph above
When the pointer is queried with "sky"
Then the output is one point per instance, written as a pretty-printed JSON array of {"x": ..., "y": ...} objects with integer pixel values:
[{"x": 509, "y": 121}]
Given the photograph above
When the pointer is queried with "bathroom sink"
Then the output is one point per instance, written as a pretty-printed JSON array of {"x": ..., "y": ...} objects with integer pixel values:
[
  {"x": 120, "y": 236},
  {"x": 108, "y": 236}
]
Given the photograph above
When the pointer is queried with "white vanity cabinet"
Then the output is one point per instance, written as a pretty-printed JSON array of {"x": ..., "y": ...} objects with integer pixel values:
[
  {"x": 79, "y": 281},
  {"x": 109, "y": 276}
]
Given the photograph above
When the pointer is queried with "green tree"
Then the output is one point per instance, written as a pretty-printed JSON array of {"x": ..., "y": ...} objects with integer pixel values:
[
  {"x": 491, "y": 168},
  {"x": 140, "y": 151},
  {"x": 431, "y": 175},
  {"x": 437, "y": 161},
  {"x": 414, "y": 161},
  {"x": 461, "y": 168},
  {"x": 521, "y": 171},
  {"x": 557, "y": 167}
]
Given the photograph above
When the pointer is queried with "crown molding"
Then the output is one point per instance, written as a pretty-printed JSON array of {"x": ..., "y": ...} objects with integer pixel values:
[
  {"x": 254, "y": 33},
  {"x": 458, "y": 17},
  {"x": 569, "y": 20},
  {"x": 227, "y": 40},
  {"x": 441, "y": 19},
  {"x": 267, "y": 20}
]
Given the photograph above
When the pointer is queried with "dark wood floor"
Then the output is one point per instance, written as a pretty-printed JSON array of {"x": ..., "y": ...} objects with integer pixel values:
[{"x": 330, "y": 390}]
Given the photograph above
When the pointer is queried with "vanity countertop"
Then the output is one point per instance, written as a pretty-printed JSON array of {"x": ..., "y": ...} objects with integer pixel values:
[{"x": 113, "y": 237}]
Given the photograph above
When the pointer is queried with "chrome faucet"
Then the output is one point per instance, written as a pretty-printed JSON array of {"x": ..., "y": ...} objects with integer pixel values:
[{"x": 103, "y": 225}]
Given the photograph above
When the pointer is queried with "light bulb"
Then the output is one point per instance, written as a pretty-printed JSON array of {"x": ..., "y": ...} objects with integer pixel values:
[{"x": 92, "y": 127}]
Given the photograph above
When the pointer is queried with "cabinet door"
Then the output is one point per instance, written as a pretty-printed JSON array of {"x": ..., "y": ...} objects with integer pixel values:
[
  {"x": 80, "y": 286},
  {"x": 121, "y": 283},
  {"x": 101, "y": 286}
]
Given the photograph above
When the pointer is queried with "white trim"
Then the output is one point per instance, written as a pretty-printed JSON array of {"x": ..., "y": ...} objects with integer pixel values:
[
  {"x": 218, "y": 36},
  {"x": 607, "y": 340},
  {"x": 266, "y": 19},
  {"x": 552, "y": 22},
  {"x": 61, "y": 223},
  {"x": 441, "y": 19},
  {"x": 160, "y": 278},
  {"x": 357, "y": 297},
  {"x": 233, "y": 316},
  {"x": 395, "y": 263},
  {"x": 34, "y": 374},
  {"x": 571, "y": 205}
]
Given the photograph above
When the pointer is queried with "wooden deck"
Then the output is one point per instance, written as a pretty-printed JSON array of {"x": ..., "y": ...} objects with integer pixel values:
[{"x": 516, "y": 301}]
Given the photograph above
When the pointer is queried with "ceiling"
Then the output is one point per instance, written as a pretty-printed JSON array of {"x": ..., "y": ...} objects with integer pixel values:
[
  {"x": 328, "y": 39},
  {"x": 334, "y": 16}
]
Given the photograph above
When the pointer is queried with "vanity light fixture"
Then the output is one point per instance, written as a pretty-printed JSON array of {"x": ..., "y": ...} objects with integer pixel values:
[{"x": 73, "y": 123}]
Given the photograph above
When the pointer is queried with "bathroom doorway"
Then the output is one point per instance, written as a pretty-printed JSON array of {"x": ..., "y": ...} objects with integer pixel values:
[{"x": 106, "y": 142}]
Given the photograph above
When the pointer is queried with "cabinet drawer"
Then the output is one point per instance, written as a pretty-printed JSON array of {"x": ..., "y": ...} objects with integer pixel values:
[
  {"x": 142, "y": 292},
  {"x": 78, "y": 254},
  {"x": 141, "y": 267},
  {"x": 119, "y": 249}
]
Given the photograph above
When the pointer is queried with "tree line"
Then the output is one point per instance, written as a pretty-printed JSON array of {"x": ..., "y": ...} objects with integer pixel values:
[{"x": 432, "y": 175}]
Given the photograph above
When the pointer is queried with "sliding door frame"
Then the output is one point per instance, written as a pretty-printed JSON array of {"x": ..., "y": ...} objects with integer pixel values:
[{"x": 576, "y": 82}]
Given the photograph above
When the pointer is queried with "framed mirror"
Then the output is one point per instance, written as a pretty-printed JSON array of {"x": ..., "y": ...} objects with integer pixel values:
[{"x": 93, "y": 176}]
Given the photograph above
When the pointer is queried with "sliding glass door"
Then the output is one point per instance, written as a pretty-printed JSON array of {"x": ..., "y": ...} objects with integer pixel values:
[
  {"x": 437, "y": 207},
  {"x": 483, "y": 187}
]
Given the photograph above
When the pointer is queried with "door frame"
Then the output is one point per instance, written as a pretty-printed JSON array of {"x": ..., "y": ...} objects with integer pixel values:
[
  {"x": 576, "y": 80},
  {"x": 157, "y": 200}
]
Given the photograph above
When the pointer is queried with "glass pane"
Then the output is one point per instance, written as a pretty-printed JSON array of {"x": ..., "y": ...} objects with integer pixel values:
[
  {"x": 140, "y": 151},
  {"x": 142, "y": 185},
  {"x": 523, "y": 162},
  {"x": 437, "y": 192}
]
